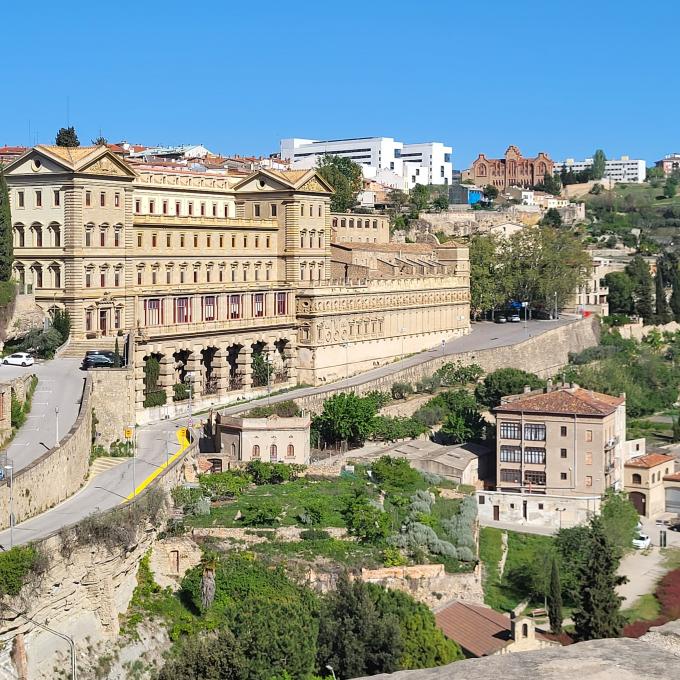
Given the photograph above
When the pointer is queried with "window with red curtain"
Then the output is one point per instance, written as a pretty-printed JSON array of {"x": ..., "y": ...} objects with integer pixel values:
[
  {"x": 182, "y": 311},
  {"x": 209, "y": 308},
  {"x": 258, "y": 305},
  {"x": 234, "y": 306},
  {"x": 281, "y": 303}
]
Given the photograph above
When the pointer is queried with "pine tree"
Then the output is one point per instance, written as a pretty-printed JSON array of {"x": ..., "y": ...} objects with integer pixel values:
[
  {"x": 6, "y": 240},
  {"x": 675, "y": 297},
  {"x": 598, "y": 611},
  {"x": 67, "y": 137},
  {"x": 555, "y": 599},
  {"x": 663, "y": 312},
  {"x": 116, "y": 354}
]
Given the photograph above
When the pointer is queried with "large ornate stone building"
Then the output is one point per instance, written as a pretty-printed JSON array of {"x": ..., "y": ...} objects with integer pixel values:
[
  {"x": 511, "y": 170},
  {"x": 206, "y": 271}
]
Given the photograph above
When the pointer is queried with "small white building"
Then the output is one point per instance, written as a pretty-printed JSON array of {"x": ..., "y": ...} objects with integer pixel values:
[{"x": 623, "y": 169}]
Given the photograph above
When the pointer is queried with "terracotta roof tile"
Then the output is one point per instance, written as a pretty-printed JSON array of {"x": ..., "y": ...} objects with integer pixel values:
[
  {"x": 72, "y": 154},
  {"x": 571, "y": 401},
  {"x": 650, "y": 460},
  {"x": 674, "y": 477}
]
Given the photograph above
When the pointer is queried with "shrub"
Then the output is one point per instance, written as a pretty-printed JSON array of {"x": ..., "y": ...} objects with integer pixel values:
[
  {"x": 378, "y": 398},
  {"x": 263, "y": 513},
  {"x": 221, "y": 485},
  {"x": 15, "y": 565},
  {"x": 392, "y": 557},
  {"x": 283, "y": 409},
  {"x": 430, "y": 415},
  {"x": 181, "y": 392},
  {"x": 155, "y": 399},
  {"x": 428, "y": 384},
  {"x": 18, "y": 415},
  {"x": 272, "y": 473},
  {"x": 503, "y": 382},
  {"x": 401, "y": 390},
  {"x": 314, "y": 535},
  {"x": 61, "y": 322},
  {"x": 8, "y": 291},
  {"x": 119, "y": 449},
  {"x": 368, "y": 523},
  {"x": 395, "y": 473},
  {"x": 457, "y": 374},
  {"x": 465, "y": 554},
  {"x": 41, "y": 343}
]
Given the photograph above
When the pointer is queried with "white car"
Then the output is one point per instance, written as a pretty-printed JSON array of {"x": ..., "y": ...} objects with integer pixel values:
[
  {"x": 515, "y": 318},
  {"x": 642, "y": 542},
  {"x": 19, "y": 359}
]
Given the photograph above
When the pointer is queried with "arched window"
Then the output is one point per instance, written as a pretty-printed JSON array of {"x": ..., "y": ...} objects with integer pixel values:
[
  {"x": 256, "y": 451},
  {"x": 273, "y": 453},
  {"x": 233, "y": 449},
  {"x": 637, "y": 479},
  {"x": 290, "y": 451},
  {"x": 481, "y": 170}
]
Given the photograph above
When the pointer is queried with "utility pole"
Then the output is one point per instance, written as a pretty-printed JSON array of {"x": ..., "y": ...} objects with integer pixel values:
[
  {"x": 134, "y": 463},
  {"x": 56, "y": 417},
  {"x": 10, "y": 469}
]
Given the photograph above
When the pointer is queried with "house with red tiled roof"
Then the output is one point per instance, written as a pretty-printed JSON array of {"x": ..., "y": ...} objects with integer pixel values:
[
  {"x": 645, "y": 480},
  {"x": 482, "y": 631},
  {"x": 559, "y": 449}
]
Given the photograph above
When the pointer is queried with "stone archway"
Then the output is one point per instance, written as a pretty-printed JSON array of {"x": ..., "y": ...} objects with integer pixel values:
[
  {"x": 279, "y": 361},
  {"x": 639, "y": 500},
  {"x": 235, "y": 376},
  {"x": 210, "y": 378}
]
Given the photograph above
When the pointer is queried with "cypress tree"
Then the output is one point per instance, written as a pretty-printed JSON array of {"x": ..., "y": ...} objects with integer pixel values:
[
  {"x": 598, "y": 612},
  {"x": 67, "y": 137},
  {"x": 675, "y": 297},
  {"x": 6, "y": 240},
  {"x": 555, "y": 599},
  {"x": 663, "y": 313}
]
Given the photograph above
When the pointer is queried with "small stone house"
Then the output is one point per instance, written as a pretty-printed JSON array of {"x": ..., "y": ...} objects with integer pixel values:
[{"x": 644, "y": 482}]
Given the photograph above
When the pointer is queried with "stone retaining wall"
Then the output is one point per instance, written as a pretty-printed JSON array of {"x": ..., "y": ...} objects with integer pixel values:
[
  {"x": 113, "y": 401},
  {"x": 544, "y": 354},
  {"x": 56, "y": 475}
]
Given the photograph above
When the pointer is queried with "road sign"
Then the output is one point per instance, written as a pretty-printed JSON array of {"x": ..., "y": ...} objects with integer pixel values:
[{"x": 129, "y": 432}]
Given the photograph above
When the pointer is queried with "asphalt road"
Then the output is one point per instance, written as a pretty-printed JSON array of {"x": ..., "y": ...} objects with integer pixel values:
[{"x": 159, "y": 440}]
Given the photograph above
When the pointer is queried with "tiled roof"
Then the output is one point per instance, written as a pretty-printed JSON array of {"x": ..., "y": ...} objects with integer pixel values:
[
  {"x": 291, "y": 176},
  {"x": 650, "y": 460},
  {"x": 72, "y": 154},
  {"x": 674, "y": 477},
  {"x": 569, "y": 401},
  {"x": 393, "y": 247}
]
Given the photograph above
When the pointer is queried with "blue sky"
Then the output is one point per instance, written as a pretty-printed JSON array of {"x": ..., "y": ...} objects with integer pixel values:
[{"x": 561, "y": 77}]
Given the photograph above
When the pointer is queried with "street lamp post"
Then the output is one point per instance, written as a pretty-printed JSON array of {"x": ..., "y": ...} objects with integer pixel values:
[
  {"x": 403, "y": 330},
  {"x": 189, "y": 377},
  {"x": 56, "y": 418},
  {"x": 10, "y": 469},
  {"x": 330, "y": 668}
]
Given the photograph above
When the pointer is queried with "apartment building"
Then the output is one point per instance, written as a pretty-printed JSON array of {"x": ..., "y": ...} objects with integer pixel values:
[
  {"x": 592, "y": 295},
  {"x": 382, "y": 158},
  {"x": 207, "y": 271},
  {"x": 669, "y": 164},
  {"x": 558, "y": 451},
  {"x": 622, "y": 169}
]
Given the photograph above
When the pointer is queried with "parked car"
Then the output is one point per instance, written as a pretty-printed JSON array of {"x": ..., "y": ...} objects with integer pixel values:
[
  {"x": 100, "y": 352},
  {"x": 674, "y": 527},
  {"x": 501, "y": 319},
  {"x": 19, "y": 359},
  {"x": 98, "y": 361},
  {"x": 642, "y": 542},
  {"x": 515, "y": 318}
]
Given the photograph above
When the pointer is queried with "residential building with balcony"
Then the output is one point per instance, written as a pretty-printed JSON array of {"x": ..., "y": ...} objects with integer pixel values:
[{"x": 669, "y": 164}]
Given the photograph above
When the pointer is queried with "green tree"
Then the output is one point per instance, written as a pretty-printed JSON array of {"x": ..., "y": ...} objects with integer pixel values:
[
  {"x": 367, "y": 522},
  {"x": 344, "y": 175},
  {"x": 654, "y": 173},
  {"x": 353, "y": 638},
  {"x": 466, "y": 425},
  {"x": 552, "y": 218},
  {"x": 675, "y": 296},
  {"x": 505, "y": 381},
  {"x": 489, "y": 285},
  {"x": 425, "y": 646},
  {"x": 598, "y": 612},
  {"x": 262, "y": 369},
  {"x": 554, "y": 598},
  {"x": 490, "y": 192},
  {"x": 599, "y": 165},
  {"x": 100, "y": 141},
  {"x": 621, "y": 288},
  {"x": 550, "y": 184},
  {"x": 61, "y": 321},
  {"x": 675, "y": 433},
  {"x": 670, "y": 187},
  {"x": 638, "y": 271},
  {"x": 6, "y": 234},
  {"x": 619, "y": 520},
  {"x": 663, "y": 312},
  {"x": 207, "y": 657},
  {"x": 441, "y": 202},
  {"x": 117, "y": 361},
  {"x": 419, "y": 197},
  {"x": 397, "y": 199},
  {"x": 67, "y": 137},
  {"x": 345, "y": 417}
]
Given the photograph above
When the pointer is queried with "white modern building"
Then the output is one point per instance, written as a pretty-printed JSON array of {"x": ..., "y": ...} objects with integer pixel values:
[
  {"x": 381, "y": 158},
  {"x": 623, "y": 169}
]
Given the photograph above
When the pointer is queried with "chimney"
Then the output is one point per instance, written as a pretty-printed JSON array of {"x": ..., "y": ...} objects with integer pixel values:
[{"x": 549, "y": 385}]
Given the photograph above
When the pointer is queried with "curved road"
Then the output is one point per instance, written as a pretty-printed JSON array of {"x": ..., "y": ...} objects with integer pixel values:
[{"x": 158, "y": 441}]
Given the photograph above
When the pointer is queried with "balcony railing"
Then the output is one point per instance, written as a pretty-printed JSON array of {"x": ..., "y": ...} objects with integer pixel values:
[
  {"x": 216, "y": 326},
  {"x": 202, "y": 221}
]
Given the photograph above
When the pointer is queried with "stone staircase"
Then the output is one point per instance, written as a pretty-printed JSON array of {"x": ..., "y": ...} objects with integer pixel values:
[
  {"x": 76, "y": 348},
  {"x": 103, "y": 464}
]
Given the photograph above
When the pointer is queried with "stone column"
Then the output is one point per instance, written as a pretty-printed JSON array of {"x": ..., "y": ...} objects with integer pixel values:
[
  {"x": 290, "y": 361},
  {"x": 166, "y": 377},
  {"x": 220, "y": 371},
  {"x": 244, "y": 368},
  {"x": 195, "y": 367}
]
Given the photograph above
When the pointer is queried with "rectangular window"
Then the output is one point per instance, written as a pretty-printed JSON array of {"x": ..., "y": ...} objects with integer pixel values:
[
  {"x": 511, "y": 454},
  {"x": 20, "y": 198},
  {"x": 152, "y": 207},
  {"x": 152, "y": 312},
  {"x": 589, "y": 480},
  {"x": 88, "y": 237},
  {"x": 88, "y": 199},
  {"x": 534, "y": 456},
  {"x": 202, "y": 209},
  {"x": 256, "y": 210},
  {"x": 154, "y": 240},
  {"x": 177, "y": 208},
  {"x": 165, "y": 207},
  {"x": 258, "y": 305},
  {"x": 102, "y": 238},
  {"x": 508, "y": 475},
  {"x": 88, "y": 321},
  {"x": 534, "y": 432},
  {"x": 208, "y": 241},
  {"x": 191, "y": 208},
  {"x": 195, "y": 275},
  {"x": 138, "y": 207},
  {"x": 182, "y": 310},
  {"x": 273, "y": 209},
  {"x": 267, "y": 241},
  {"x": 589, "y": 435},
  {"x": 139, "y": 277},
  {"x": 226, "y": 210},
  {"x": 139, "y": 240},
  {"x": 195, "y": 240},
  {"x": 168, "y": 276},
  {"x": 57, "y": 199},
  {"x": 234, "y": 306},
  {"x": 116, "y": 278},
  {"x": 181, "y": 240},
  {"x": 116, "y": 238},
  {"x": 589, "y": 457},
  {"x": 102, "y": 199},
  {"x": 181, "y": 276},
  {"x": 209, "y": 308},
  {"x": 563, "y": 431},
  {"x": 563, "y": 453},
  {"x": 534, "y": 477},
  {"x": 102, "y": 280},
  {"x": 38, "y": 199},
  {"x": 116, "y": 318},
  {"x": 510, "y": 430},
  {"x": 281, "y": 306},
  {"x": 563, "y": 476},
  {"x": 116, "y": 200},
  {"x": 154, "y": 277},
  {"x": 221, "y": 240},
  {"x": 168, "y": 240},
  {"x": 214, "y": 210},
  {"x": 233, "y": 241},
  {"x": 88, "y": 280}
]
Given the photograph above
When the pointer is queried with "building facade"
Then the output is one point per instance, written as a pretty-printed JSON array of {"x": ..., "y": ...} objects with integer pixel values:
[
  {"x": 644, "y": 482},
  {"x": 380, "y": 158},
  {"x": 206, "y": 271},
  {"x": 592, "y": 295},
  {"x": 511, "y": 170},
  {"x": 360, "y": 228},
  {"x": 622, "y": 169},
  {"x": 669, "y": 164}
]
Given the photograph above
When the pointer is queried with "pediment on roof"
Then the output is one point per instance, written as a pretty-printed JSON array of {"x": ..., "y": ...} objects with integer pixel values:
[
  {"x": 34, "y": 162},
  {"x": 107, "y": 163},
  {"x": 262, "y": 181},
  {"x": 316, "y": 184}
]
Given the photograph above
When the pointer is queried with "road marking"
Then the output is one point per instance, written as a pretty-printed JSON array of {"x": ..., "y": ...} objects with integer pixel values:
[
  {"x": 34, "y": 416},
  {"x": 39, "y": 403},
  {"x": 183, "y": 446}
]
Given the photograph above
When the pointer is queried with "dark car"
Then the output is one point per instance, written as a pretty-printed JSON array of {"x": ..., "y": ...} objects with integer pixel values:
[
  {"x": 99, "y": 352},
  {"x": 674, "y": 527},
  {"x": 98, "y": 361}
]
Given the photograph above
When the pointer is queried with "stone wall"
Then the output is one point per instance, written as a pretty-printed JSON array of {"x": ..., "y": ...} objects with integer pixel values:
[
  {"x": 19, "y": 388},
  {"x": 19, "y": 317},
  {"x": 113, "y": 401},
  {"x": 56, "y": 475},
  {"x": 543, "y": 354}
]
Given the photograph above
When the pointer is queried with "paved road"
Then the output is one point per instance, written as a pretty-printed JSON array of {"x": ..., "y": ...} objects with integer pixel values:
[
  {"x": 112, "y": 486},
  {"x": 60, "y": 385}
]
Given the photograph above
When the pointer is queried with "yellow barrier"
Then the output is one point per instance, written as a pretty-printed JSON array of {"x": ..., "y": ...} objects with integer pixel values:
[{"x": 183, "y": 439}]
